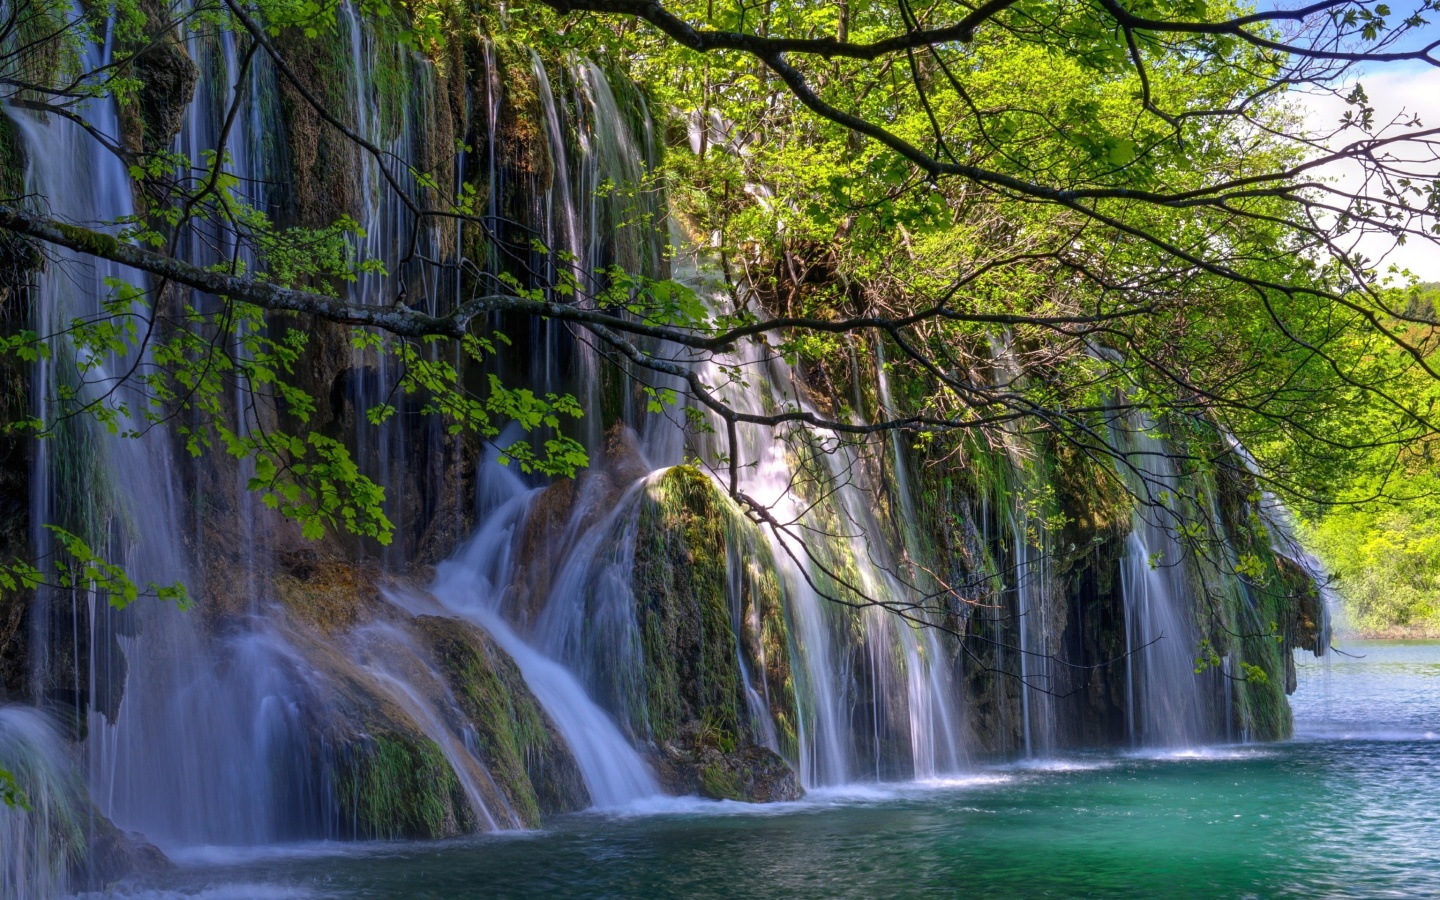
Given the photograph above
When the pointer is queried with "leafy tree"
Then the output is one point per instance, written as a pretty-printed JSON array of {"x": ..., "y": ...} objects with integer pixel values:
[{"x": 1055, "y": 220}]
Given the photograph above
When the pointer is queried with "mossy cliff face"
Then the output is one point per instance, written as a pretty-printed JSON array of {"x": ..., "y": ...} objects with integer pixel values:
[
  {"x": 1079, "y": 515},
  {"x": 1095, "y": 516},
  {"x": 526, "y": 755},
  {"x": 1273, "y": 606},
  {"x": 696, "y": 708},
  {"x": 150, "y": 119},
  {"x": 394, "y": 784},
  {"x": 391, "y": 762}
]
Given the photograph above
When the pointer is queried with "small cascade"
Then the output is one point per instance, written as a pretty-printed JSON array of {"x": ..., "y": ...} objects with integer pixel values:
[
  {"x": 402, "y": 674},
  {"x": 934, "y": 732},
  {"x": 41, "y": 845},
  {"x": 1023, "y": 627},
  {"x": 739, "y": 568},
  {"x": 471, "y": 585},
  {"x": 1164, "y": 699},
  {"x": 588, "y": 623},
  {"x": 1280, "y": 524},
  {"x": 907, "y": 679}
]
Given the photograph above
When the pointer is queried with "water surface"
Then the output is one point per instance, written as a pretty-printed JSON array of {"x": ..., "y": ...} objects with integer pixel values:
[{"x": 1350, "y": 808}]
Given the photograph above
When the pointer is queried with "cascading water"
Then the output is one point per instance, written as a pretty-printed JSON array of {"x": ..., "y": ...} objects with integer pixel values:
[
  {"x": 899, "y": 654},
  {"x": 1026, "y": 578},
  {"x": 39, "y": 846},
  {"x": 203, "y": 729},
  {"x": 472, "y": 585},
  {"x": 933, "y": 731},
  {"x": 190, "y": 751},
  {"x": 175, "y": 748},
  {"x": 192, "y": 738},
  {"x": 1280, "y": 526},
  {"x": 1163, "y": 701}
]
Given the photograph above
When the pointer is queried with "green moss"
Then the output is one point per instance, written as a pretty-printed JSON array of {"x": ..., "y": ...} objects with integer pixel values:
[
  {"x": 395, "y": 785},
  {"x": 87, "y": 241},
  {"x": 681, "y": 579},
  {"x": 321, "y": 161},
  {"x": 719, "y": 782},
  {"x": 12, "y": 159},
  {"x": 522, "y": 141},
  {"x": 391, "y": 76},
  {"x": 768, "y": 645},
  {"x": 520, "y": 748},
  {"x": 695, "y": 625},
  {"x": 52, "y": 50},
  {"x": 1251, "y": 603}
]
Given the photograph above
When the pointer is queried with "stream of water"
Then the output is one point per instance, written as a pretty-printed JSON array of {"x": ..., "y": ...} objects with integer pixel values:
[{"x": 1349, "y": 808}]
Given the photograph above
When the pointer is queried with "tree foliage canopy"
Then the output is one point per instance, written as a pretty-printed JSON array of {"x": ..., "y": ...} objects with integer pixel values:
[{"x": 1060, "y": 219}]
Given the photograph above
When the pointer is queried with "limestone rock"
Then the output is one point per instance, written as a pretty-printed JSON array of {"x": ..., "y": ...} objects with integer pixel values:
[
  {"x": 114, "y": 854},
  {"x": 751, "y": 774}
]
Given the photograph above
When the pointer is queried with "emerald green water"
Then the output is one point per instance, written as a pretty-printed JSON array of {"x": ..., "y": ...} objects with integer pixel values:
[{"x": 1350, "y": 808}]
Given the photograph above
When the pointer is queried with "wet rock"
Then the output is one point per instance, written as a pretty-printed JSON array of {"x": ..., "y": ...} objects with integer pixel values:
[
  {"x": 393, "y": 692},
  {"x": 755, "y": 774},
  {"x": 704, "y": 587},
  {"x": 621, "y": 457},
  {"x": 167, "y": 76},
  {"x": 750, "y": 774},
  {"x": 693, "y": 550},
  {"x": 115, "y": 854},
  {"x": 398, "y": 784},
  {"x": 521, "y": 747},
  {"x": 537, "y": 551},
  {"x": 327, "y": 592},
  {"x": 564, "y": 511}
]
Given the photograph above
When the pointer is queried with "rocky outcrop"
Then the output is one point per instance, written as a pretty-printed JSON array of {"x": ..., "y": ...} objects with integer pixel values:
[
  {"x": 152, "y": 117},
  {"x": 562, "y": 512},
  {"x": 704, "y": 640},
  {"x": 113, "y": 854},
  {"x": 750, "y": 774},
  {"x": 524, "y": 752},
  {"x": 397, "y": 784},
  {"x": 408, "y": 709}
]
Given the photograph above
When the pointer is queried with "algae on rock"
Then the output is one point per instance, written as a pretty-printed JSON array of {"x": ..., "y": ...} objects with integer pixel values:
[
  {"x": 394, "y": 785},
  {"x": 523, "y": 752},
  {"x": 701, "y": 635}
]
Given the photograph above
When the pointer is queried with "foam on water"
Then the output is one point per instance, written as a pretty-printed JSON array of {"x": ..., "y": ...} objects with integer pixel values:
[
  {"x": 1199, "y": 753},
  {"x": 217, "y": 855},
  {"x": 219, "y": 892}
]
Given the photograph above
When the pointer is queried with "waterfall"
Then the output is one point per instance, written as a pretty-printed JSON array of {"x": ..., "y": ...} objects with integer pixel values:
[
  {"x": 1163, "y": 697},
  {"x": 243, "y": 721},
  {"x": 1280, "y": 526},
  {"x": 40, "y": 845},
  {"x": 934, "y": 733},
  {"x": 173, "y": 757},
  {"x": 1026, "y": 577},
  {"x": 898, "y": 652},
  {"x": 192, "y": 737},
  {"x": 471, "y": 585}
]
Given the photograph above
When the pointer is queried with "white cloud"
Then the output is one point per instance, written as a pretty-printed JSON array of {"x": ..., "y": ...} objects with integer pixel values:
[{"x": 1393, "y": 92}]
